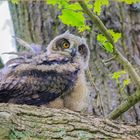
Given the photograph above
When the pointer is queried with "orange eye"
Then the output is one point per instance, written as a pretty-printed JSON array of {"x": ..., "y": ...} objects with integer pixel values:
[{"x": 66, "y": 45}]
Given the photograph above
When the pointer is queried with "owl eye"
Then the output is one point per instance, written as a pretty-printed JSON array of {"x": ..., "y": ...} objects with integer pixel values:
[
  {"x": 62, "y": 44},
  {"x": 66, "y": 45},
  {"x": 83, "y": 50}
]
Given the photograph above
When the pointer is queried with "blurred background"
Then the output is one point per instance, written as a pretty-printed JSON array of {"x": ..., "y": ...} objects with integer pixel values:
[{"x": 7, "y": 43}]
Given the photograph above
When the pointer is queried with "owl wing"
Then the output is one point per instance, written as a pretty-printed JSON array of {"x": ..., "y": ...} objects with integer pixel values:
[{"x": 38, "y": 80}]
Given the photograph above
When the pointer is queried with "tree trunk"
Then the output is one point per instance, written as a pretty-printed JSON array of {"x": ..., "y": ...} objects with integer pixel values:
[{"x": 24, "y": 122}]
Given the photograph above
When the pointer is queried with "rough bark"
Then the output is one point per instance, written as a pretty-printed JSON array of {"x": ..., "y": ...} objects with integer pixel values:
[{"x": 29, "y": 122}]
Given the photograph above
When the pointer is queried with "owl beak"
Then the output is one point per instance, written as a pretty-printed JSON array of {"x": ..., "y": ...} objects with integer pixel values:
[{"x": 73, "y": 52}]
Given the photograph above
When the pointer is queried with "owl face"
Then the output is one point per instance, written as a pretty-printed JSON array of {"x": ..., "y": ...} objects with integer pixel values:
[{"x": 70, "y": 46}]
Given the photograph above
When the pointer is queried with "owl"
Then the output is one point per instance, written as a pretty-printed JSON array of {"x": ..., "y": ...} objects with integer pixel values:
[{"x": 54, "y": 77}]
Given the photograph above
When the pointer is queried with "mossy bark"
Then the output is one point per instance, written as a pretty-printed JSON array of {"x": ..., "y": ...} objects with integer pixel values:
[{"x": 29, "y": 122}]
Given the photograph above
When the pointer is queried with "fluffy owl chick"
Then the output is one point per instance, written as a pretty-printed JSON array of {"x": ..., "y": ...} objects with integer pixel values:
[
  {"x": 79, "y": 98},
  {"x": 54, "y": 77}
]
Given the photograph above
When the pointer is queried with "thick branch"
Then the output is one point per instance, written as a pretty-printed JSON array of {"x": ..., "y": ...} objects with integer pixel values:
[
  {"x": 27, "y": 122},
  {"x": 130, "y": 101},
  {"x": 119, "y": 57}
]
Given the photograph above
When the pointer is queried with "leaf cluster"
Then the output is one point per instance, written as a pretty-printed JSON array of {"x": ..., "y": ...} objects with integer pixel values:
[
  {"x": 105, "y": 43},
  {"x": 73, "y": 15}
]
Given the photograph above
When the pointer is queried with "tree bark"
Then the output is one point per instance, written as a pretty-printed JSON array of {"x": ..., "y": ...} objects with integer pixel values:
[{"x": 30, "y": 122}]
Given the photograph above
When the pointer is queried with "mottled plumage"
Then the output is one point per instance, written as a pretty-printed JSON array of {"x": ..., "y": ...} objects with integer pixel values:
[{"x": 39, "y": 77}]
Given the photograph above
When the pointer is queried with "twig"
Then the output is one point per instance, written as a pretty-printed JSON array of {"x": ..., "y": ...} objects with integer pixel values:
[{"x": 130, "y": 101}]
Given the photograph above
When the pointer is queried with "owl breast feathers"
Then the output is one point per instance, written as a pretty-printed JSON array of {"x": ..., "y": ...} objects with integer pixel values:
[{"x": 39, "y": 77}]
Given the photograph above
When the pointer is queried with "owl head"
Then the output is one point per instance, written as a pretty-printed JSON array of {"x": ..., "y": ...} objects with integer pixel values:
[{"x": 72, "y": 46}]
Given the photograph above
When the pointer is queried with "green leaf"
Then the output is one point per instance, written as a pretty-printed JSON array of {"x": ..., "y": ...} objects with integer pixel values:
[
  {"x": 117, "y": 75},
  {"x": 63, "y": 4},
  {"x": 108, "y": 46},
  {"x": 71, "y": 14},
  {"x": 72, "y": 18},
  {"x": 83, "y": 28},
  {"x": 53, "y": 2},
  {"x": 126, "y": 82},
  {"x": 116, "y": 36},
  {"x": 101, "y": 38},
  {"x": 74, "y": 6},
  {"x": 98, "y": 5}
]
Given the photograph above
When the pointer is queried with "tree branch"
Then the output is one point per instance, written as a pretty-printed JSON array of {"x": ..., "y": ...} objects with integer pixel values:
[
  {"x": 130, "y": 101},
  {"x": 119, "y": 57},
  {"x": 30, "y": 122}
]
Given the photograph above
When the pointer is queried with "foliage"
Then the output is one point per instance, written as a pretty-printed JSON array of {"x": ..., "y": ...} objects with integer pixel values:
[
  {"x": 98, "y": 4},
  {"x": 118, "y": 76},
  {"x": 72, "y": 14},
  {"x": 105, "y": 43},
  {"x": 116, "y": 36}
]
